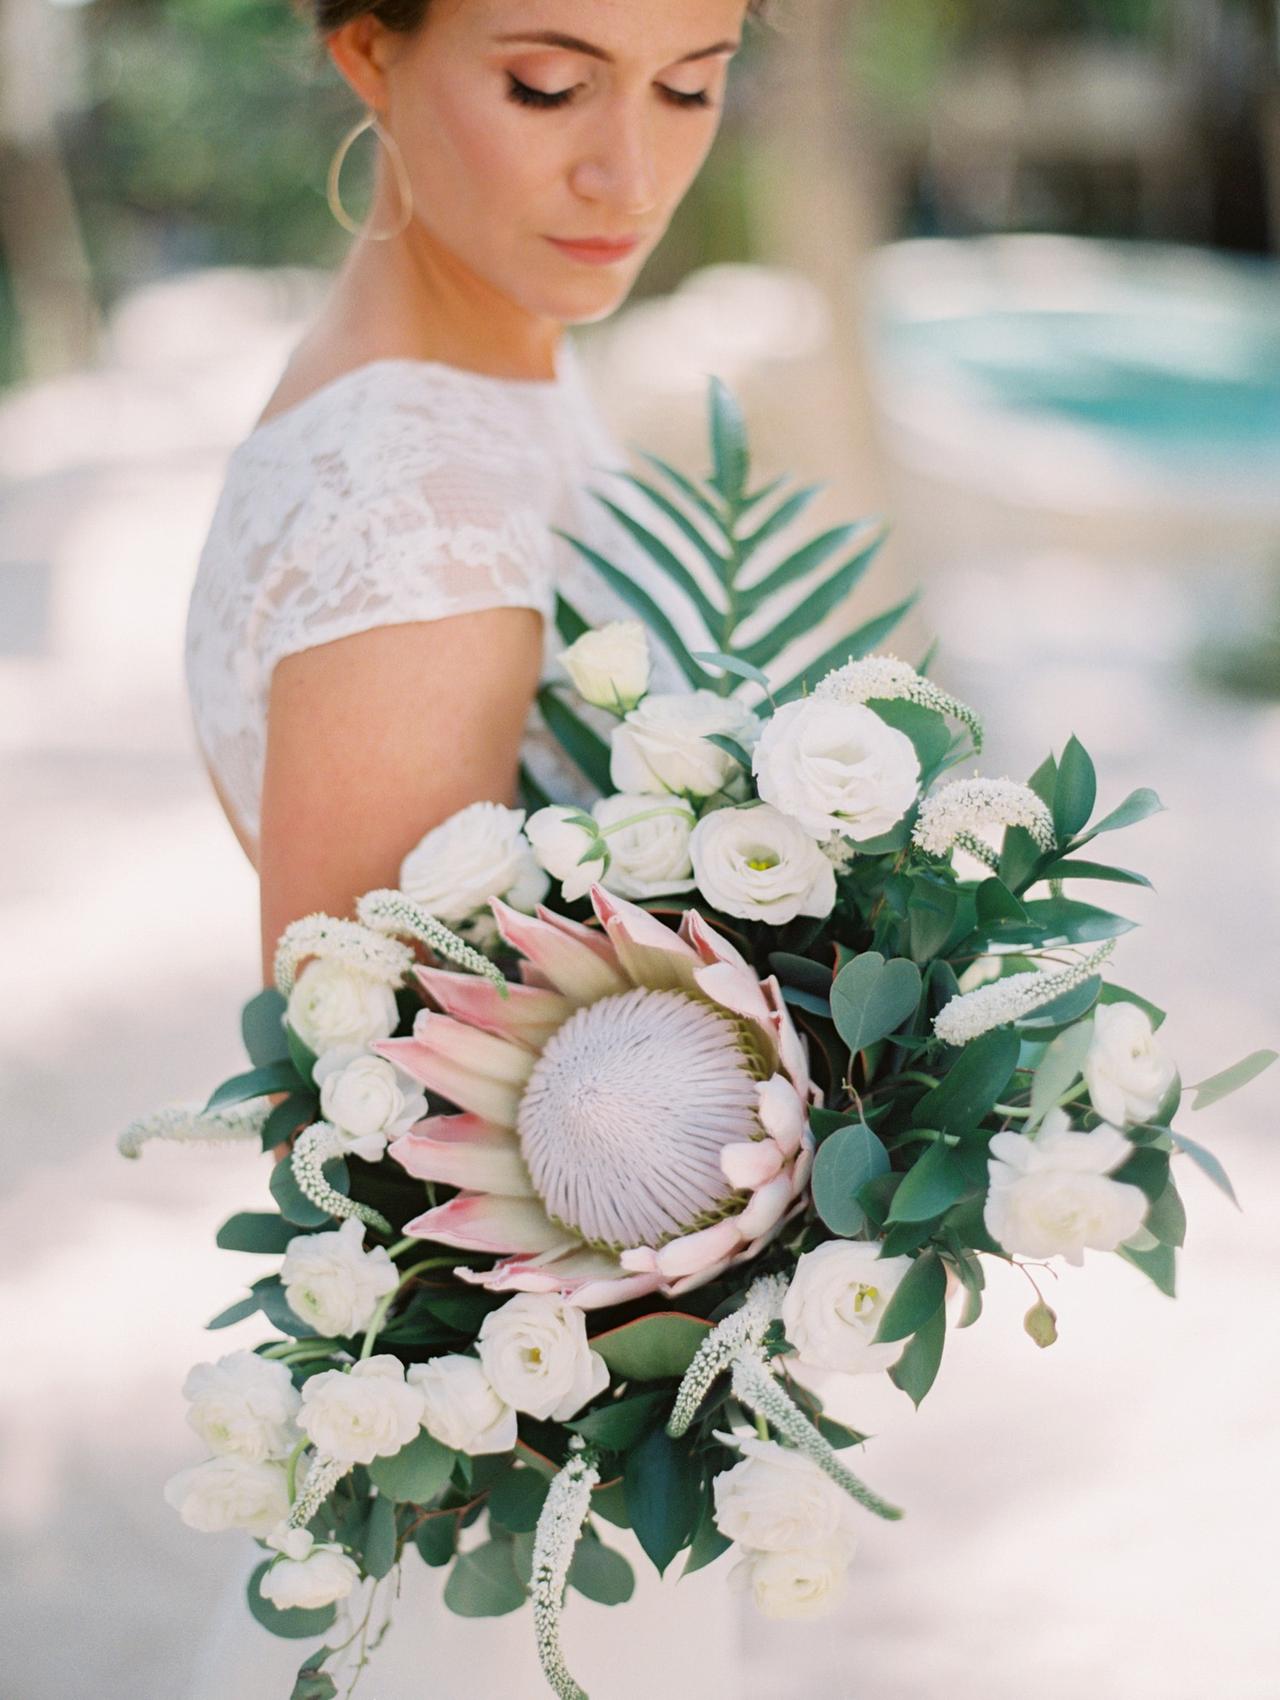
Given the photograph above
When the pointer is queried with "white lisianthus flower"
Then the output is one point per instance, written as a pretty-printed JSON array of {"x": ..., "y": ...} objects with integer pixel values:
[
  {"x": 243, "y": 1405},
  {"x": 361, "y": 1095},
  {"x": 333, "y": 1003},
  {"x": 793, "y": 1584},
  {"x": 662, "y": 745},
  {"x": 461, "y": 1408},
  {"x": 778, "y": 1500},
  {"x": 1052, "y": 1194},
  {"x": 649, "y": 857},
  {"x": 363, "y": 1413},
  {"x": 834, "y": 1304},
  {"x": 230, "y": 1493},
  {"x": 609, "y": 667},
  {"x": 325, "y": 1575},
  {"x": 332, "y": 1283},
  {"x": 758, "y": 864},
  {"x": 1127, "y": 1069},
  {"x": 535, "y": 1352},
  {"x": 478, "y": 853},
  {"x": 836, "y": 768},
  {"x": 561, "y": 837}
]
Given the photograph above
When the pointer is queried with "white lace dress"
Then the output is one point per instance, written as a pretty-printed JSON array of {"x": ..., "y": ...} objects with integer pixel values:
[{"x": 411, "y": 490}]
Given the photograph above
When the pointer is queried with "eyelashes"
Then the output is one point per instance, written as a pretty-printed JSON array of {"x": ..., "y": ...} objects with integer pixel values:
[{"x": 523, "y": 95}]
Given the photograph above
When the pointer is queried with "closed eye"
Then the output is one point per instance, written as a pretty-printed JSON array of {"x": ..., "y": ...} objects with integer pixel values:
[{"x": 524, "y": 95}]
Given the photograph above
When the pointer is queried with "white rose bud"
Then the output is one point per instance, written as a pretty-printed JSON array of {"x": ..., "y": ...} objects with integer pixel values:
[
  {"x": 793, "y": 1584},
  {"x": 478, "y": 853},
  {"x": 1127, "y": 1069},
  {"x": 662, "y": 745},
  {"x": 230, "y": 1493},
  {"x": 325, "y": 1575},
  {"x": 461, "y": 1408},
  {"x": 1052, "y": 1194},
  {"x": 363, "y": 1413},
  {"x": 777, "y": 1500},
  {"x": 332, "y": 1283},
  {"x": 649, "y": 857},
  {"x": 561, "y": 837},
  {"x": 535, "y": 1352},
  {"x": 833, "y": 1307},
  {"x": 836, "y": 768},
  {"x": 244, "y": 1405},
  {"x": 333, "y": 1003},
  {"x": 758, "y": 864},
  {"x": 609, "y": 667},
  {"x": 362, "y": 1096}
]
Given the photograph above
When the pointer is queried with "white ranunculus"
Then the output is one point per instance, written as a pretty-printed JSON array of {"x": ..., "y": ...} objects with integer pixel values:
[
  {"x": 836, "y": 767},
  {"x": 1052, "y": 1193},
  {"x": 1127, "y": 1069},
  {"x": 363, "y": 1097},
  {"x": 757, "y": 864},
  {"x": 332, "y": 1283},
  {"x": 609, "y": 667},
  {"x": 368, "y": 1411},
  {"x": 560, "y": 837},
  {"x": 834, "y": 1304},
  {"x": 333, "y": 1003},
  {"x": 243, "y": 1405},
  {"x": 325, "y": 1575},
  {"x": 777, "y": 1500},
  {"x": 662, "y": 745},
  {"x": 536, "y": 1355},
  {"x": 793, "y": 1584},
  {"x": 230, "y": 1493},
  {"x": 478, "y": 853},
  {"x": 650, "y": 856},
  {"x": 461, "y": 1408}
]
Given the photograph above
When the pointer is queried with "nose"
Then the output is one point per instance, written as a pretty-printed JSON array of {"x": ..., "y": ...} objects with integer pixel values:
[{"x": 619, "y": 167}]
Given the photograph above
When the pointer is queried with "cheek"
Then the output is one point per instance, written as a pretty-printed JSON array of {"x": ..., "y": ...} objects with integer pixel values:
[{"x": 477, "y": 160}]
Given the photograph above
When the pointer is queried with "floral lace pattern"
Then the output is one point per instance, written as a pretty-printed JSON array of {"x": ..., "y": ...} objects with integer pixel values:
[{"x": 402, "y": 490}]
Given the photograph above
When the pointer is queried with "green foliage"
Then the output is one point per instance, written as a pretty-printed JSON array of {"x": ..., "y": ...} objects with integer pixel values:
[
  {"x": 653, "y": 1348},
  {"x": 255, "y": 1230},
  {"x": 484, "y": 1583},
  {"x": 871, "y": 998},
  {"x": 662, "y": 1479},
  {"x": 417, "y": 1473},
  {"x": 293, "y": 1203},
  {"x": 293, "y": 1625},
  {"x": 601, "y": 1573},
  {"x": 915, "y": 1299},
  {"x": 845, "y": 1162}
]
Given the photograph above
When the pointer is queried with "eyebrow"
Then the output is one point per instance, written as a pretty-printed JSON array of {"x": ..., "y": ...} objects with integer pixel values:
[{"x": 554, "y": 38}]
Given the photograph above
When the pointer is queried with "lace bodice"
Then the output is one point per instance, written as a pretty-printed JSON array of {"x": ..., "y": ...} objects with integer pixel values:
[{"x": 401, "y": 490}]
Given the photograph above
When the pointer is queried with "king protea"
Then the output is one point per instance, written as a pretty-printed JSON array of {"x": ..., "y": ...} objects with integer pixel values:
[{"x": 634, "y": 1112}]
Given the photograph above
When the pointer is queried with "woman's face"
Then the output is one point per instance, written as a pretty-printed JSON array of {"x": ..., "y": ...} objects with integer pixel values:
[{"x": 529, "y": 125}]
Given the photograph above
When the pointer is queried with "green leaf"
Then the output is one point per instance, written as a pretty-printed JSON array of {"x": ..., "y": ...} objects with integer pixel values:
[
  {"x": 1063, "y": 1011},
  {"x": 435, "y": 1538},
  {"x": 1159, "y": 1265},
  {"x": 1167, "y": 1219},
  {"x": 532, "y": 797},
  {"x": 257, "y": 1083},
  {"x": 304, "y": 1058},
  {"x": 729, "y": 454},
  {"x": 583, "y": 746},
  {"x": 379, "y": 1546},
  {"x": 1206, "y": 1161},
  {"x": 931, "y": 913},
  {"x": 810, "y": 558},
  {"x": 670, "y": 563},
  {"x": 871, "y": 998},
  {"x": 917, "y": 1368},
  {"x": 973, "y": 1083},
  {"x": 601, "y": 1573},
  {"x": 707, "y": 1543},
  {"x": 1075, "y": 923},
  {"x": 483, "y": 1582},
  {"x": 732, "y": 664},
  {"x": 293, "y": 1625},
  {"x": 415, "y": 1474},
  {"x": 1147, "y": 1169},
  {"x": 569, "y": 623},
  {"x": 644, "y": 605},
  {"x": 790, "y": 508},
  {"x": 611, "y": 1504},
  {"x": 845, "y": 1162},
  {"x": 235, "y": 1313},
  {"x": 312, "y": 1683},
  {"x": 1075, "y": 791},
  {"x": 1220, "y": 1086},
  {"x": 293, "y": 1203},
  {"x": 262, "y": 1028},
  {"x": 275, "y": 1307},
  {"x": 858, "y": 643},
  {"x": 814, "y": 608},
  {"x": 933, "y": 1184},
  {"x": 686, "y": 486},
  {"x": 661, "y": 1480},
  {"x": 1138, "y": 805},
  {"x": 1068, "y": 868},
  {"x": 1058, "y": 1070},
  {"x": 619, "y": 1425},
  {"x": 652, "y": 1348},
  {"x": 994, "y": 903},
  {"x": 299, "y": 1109},
  {"x": 255, "y": 1230},
  {"x": 516, "y": 1499},
  {"x": 917, "y": 1296},
  {"x": 731, "y": 747},
  {"x": 1112, "y": 993},
  {"x": 715, "y": 559}
]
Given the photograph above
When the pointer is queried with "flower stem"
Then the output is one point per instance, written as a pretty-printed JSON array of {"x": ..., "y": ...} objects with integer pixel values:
[
  {"x": 292, "y": 1467},
  {"x": 385, "y": 1304}
]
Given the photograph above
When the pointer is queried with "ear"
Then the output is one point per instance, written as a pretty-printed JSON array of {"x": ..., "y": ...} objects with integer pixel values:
[{"x": 361, "y": 51}]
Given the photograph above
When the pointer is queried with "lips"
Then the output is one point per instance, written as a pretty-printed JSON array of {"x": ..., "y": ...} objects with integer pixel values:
[{"x": 596, "y": 247}]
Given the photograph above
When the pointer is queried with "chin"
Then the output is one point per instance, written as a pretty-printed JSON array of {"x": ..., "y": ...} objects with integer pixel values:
[{"x": 581, "y": 302}]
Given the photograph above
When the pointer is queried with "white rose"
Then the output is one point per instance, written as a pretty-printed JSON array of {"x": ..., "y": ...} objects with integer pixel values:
[
  {"x": 756, "y": 863},
  {"x": 332, "y": 1283},
  {"x": 777, "y": 1500},
  {"x": 836, "y": 767},
  {"x": 326, "y": 1574},
  {"x": 230, "y": 1493},
  {"x": 363, "y": 1413},
  {"x": 362, "y": 1096},
  {"x": 561, "y": 837},
  {"x": 478, "y": 853},
  {"x": 461, "y": 1408},
  {"x": 1052, "y": 1193},
  {"x": 536, "y": 1355},
  {"x": 609, "y": 667},
  {"x": 662, "y": 745},
  {"x": 793, "y": 1584},
  {"x": 333, "y": 1003},
  {"x": 832, "y": 1308},
  {"x": 648, "y": 857},
  {"x": 243, "y": 1404},
  {"x": 1126, "y": 1069}
]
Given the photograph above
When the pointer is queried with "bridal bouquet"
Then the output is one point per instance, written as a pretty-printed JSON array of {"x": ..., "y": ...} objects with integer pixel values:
[{"x": 618, "y": 1132}]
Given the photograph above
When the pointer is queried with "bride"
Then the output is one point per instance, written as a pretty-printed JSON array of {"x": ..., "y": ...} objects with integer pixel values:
[{"x": 375, "y": 604}]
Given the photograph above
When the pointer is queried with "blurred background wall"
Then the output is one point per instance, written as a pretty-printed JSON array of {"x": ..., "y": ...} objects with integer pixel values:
[{"x": 1004, "y": 270}]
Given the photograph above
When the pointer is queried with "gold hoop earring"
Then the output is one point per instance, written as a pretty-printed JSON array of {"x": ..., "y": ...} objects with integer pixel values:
[{"x": 399, "y": 170}]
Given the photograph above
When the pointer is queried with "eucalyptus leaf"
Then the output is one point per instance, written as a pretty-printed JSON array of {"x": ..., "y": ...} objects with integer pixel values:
[
  {"x": 262, "y": 1028},
  {"x": 293, "y": 1203},
  {"x": 652, "y": 1348},
  {"x": 601, "y": 1572},
  {"x": 483, "y": 1582},
  {"x": 516, "y": 1499},
  {"x": 845, "y": 1162},
  {"x": 415, "y": 1474},
  {"x": 1220, "y": 1086},
  {"x": 1159, "y": 1265},
  {"x": 1208, "y": 1162},
  {"x": 293, "y": 1625},
  {"x": 257, "y": 1083},
  {"x": 870, "y": 998},
  {"x": 256, "y": 1231},
  {"x": 235, "y": 1313},
  {"x": 379, "y": 1545}
]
